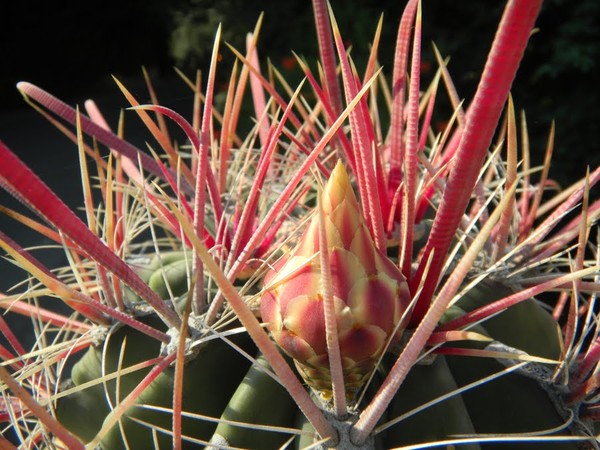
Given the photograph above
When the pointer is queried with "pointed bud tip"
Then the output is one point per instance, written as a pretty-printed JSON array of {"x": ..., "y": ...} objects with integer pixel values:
[
  {"x": 339, "y": 174},
  {"x": 339, "y": 190}
]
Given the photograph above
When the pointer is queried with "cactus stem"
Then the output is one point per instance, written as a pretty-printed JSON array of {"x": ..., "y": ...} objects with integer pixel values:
[
  {"x": 128, "y": 401},
  {"x": 442, "y": 398}
]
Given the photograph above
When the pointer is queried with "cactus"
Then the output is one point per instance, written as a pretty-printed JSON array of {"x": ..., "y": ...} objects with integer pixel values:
[{"x": 222, "y": 298}]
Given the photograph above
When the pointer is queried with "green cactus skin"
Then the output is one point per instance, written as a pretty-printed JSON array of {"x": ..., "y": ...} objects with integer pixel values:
[
  {"x": 510, "y": 404},
  {"x": 513, "y": 403},
  {"x": 175, "y": 265},
  {"x": 261, "y": 400},
  {"x": 176, "y": 275},
  {"x": 450, "y": 417},
  {"x": 71, "y": 409},
  {"x": 525, "y": 326},
  {"x": 210, "y": 380},
  {"x": 91, "y": 403}
]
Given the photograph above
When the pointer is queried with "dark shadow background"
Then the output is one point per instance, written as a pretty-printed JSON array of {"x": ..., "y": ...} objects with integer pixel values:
[{"x": 72, "y": 48}]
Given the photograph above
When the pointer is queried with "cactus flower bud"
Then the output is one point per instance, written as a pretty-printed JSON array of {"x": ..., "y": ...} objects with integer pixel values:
[{"x": 369, "y": 294}]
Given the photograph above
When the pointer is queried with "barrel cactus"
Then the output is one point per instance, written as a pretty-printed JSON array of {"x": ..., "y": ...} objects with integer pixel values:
[{"x": 319, "y": 281}]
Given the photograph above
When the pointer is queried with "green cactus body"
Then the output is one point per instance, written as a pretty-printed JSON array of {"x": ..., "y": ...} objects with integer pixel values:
[
  {"x": 259, "y": 400},
  {"x": 525, "y": 326},
  {"x": 522, "y": 402},
  {"x": 450, "y": 417},
  {"x": 170, "y": 271},
  {"x": 210, "y": 379},
  {"x": 513, "y": 404},
  {"x": 176, "y": 275}
]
